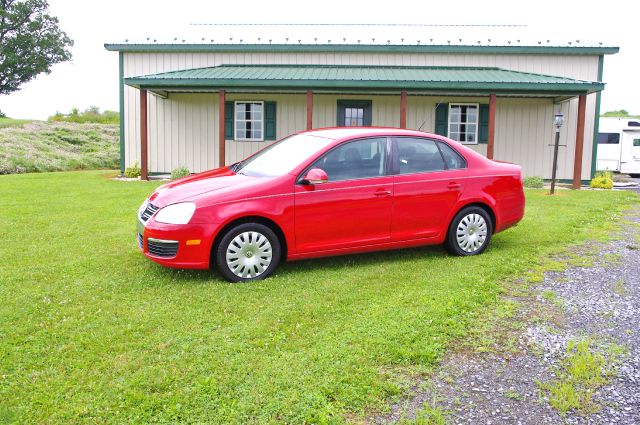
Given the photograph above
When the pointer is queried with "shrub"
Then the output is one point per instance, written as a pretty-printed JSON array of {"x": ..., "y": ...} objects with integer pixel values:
[
  {"x": 602, "y": 180},
  {"x": 89, "y": 115},
  {"x": 133, "y": 171},
  {"x": 179, "y": 173},
  {"x": 533, "y": 182}
]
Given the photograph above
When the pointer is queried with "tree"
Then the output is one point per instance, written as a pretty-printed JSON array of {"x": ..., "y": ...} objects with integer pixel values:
[
  {"x": 30, "y": 42},
  {"x": 616, "y": 113}
]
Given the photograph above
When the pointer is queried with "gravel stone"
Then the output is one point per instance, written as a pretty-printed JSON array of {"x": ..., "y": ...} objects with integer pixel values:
[{"x": 601, "y": 301}]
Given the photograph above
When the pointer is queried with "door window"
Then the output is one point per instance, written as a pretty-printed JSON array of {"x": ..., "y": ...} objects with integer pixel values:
[
  {"x": 359, "y": 159},
  {"x": 418, "y": 156}
]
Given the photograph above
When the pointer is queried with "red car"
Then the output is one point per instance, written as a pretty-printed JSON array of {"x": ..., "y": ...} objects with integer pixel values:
[{"x": 331, "y": 192}]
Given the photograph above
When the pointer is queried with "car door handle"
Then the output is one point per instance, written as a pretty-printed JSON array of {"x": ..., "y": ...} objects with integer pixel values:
[
  {"x": 454, "y": 185},
  {"x": 382, "y": 192}
]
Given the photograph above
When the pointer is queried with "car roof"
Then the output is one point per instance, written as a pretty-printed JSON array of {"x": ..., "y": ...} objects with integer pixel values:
[{"x": 337, "y": 133}]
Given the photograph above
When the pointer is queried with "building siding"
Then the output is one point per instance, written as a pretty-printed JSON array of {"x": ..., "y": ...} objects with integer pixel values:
[{"x": 183, "y": 128}]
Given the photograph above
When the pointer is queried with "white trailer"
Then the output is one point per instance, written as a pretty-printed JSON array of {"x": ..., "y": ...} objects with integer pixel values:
[{"x": 619, "y": 145}]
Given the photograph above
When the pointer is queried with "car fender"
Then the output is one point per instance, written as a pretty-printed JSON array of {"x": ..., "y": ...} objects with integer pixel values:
[{"x": 277, "y": 209}]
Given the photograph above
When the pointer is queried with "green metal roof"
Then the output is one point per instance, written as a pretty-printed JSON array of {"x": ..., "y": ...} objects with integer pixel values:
[{"x": 379, "y": 78}]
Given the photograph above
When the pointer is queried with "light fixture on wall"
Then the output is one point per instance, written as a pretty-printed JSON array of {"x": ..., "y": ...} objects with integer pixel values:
[{"x": 558, "y": 121}]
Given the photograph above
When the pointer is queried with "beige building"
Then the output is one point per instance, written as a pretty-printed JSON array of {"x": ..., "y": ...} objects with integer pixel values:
[{"x": 229, "y": 90}]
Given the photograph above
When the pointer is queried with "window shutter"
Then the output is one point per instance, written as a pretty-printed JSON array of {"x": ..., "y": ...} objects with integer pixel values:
[
  {"x": 228, "y": 120},
  {"x": 340, "y": 116},
  {"x": 269, "y": 120},
  {"x": 483, "y": 127},
  {"x": 442, "y": 119},
  {"x": 367, "y": 116}
]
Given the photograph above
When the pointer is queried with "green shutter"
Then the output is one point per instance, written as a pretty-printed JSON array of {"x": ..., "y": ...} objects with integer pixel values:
[
  {"x": 269, "y": 120},
  {"x": 442, "y": 119},
  {"x": 228, "y": 120},
  {"x": 483, "y": 128}
]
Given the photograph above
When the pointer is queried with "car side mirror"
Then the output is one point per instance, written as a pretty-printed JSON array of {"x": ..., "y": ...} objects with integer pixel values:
[{"x": 315, "y": 176}]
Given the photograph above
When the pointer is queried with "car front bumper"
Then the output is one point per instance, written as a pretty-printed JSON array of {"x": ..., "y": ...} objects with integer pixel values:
[{"x": 184, "y": 246}]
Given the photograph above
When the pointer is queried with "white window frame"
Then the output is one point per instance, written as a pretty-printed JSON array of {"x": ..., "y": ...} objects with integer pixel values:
[
  {"x": 235, "y": 122},
  {"x": 477, "y": 105}
]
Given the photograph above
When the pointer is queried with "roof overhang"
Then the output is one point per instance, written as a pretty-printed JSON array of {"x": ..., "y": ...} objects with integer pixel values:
[
  {"x": 360, "y": 79},
  {"x": 360, "y": 48}
]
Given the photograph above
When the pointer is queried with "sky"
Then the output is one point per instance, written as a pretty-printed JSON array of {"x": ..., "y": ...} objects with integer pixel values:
[{"x": 91, "y": 77}]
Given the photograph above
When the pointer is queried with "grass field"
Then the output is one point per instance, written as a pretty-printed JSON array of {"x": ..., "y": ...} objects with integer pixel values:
[
  {"x": 90, "y": 331},
  {"x": 30, "y": 146},
  {"x": 12, "y": 122}
]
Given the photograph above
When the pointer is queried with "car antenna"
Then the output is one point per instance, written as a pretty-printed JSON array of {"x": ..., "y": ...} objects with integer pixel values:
[{"x": 423, "y": 123}]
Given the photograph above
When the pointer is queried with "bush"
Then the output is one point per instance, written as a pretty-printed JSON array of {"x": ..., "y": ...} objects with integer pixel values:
[
  {"x": 133, "y": 172},
  {"x": 533, "y": 182},
  {"x": 602, "y": 180},
  {"x": 179, "y": 173},
  {"x": 91, "y": 115}
]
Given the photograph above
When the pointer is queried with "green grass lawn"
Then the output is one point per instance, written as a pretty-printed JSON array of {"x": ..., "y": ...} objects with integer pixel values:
[{"x": 91, "y": 331}]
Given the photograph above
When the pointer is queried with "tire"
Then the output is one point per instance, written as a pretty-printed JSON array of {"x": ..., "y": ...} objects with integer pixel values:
[
  {"x": 635, "y": 176},
  {"x": 469, "y": 232},
  {"x": 248, "y": 252}
]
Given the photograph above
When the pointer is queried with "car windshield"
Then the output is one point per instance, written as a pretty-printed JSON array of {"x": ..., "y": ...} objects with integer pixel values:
[{"x": 282, "y": 157}]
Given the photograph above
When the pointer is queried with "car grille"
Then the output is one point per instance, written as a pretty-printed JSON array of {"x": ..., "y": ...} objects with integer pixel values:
[
  {"x": 148, "y": 212},
  {"x": 165, "y": 249},
  {"x": 140, "y": 241}
]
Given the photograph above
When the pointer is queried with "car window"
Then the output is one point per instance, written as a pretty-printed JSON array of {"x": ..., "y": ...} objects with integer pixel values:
[
  {"x": 452, "y": 159},
  {"x": 359, "y": 159},
  {"x": 418, "y": 156}
]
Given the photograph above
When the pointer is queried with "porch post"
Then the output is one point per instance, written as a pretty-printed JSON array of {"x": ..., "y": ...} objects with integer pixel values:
[
  {"x": 309, "y": 109},
  {"x": 403, "y": 109},
  {"x": 492, "y": 125},
  {"x": 144, "y": 139},
  {"x": 577, "y": 160},
  {"x": 221, "y": 132}
]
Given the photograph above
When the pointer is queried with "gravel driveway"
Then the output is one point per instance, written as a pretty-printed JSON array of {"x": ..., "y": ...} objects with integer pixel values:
[{"x": 599, "y": 300}]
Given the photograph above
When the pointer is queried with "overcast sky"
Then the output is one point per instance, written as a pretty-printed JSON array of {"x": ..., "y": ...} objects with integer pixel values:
[{"x": 91, "y": 78}]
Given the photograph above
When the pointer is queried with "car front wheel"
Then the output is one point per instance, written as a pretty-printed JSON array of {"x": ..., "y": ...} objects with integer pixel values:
[
  {"x": 247, "y": 252},
  {"x": 469, "y": 232}
]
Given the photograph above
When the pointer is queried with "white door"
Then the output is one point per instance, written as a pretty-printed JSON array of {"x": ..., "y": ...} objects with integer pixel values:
[
  {"x": 630, "y": 147},
  {"x": 608, "y": 151}
]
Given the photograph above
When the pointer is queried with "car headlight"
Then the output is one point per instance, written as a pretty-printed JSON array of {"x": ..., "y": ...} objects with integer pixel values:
[{"x": 177, "y": 213}]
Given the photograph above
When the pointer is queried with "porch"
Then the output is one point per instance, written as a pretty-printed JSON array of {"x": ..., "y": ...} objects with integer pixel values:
[{"x": 310, "y": 96}]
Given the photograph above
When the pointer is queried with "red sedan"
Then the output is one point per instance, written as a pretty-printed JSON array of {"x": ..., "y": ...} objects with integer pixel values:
[{"x": 331, "y": 192}]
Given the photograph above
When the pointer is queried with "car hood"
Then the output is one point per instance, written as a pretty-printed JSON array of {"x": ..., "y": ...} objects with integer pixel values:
[{"x": 198, "y": 184}]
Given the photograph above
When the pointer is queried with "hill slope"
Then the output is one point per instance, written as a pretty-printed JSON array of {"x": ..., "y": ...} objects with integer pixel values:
[{"x": 43, "y": 146}]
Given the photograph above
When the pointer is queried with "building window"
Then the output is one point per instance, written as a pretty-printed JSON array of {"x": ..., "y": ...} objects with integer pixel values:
[
  {"x": 249, "y": 121},
  {"x": 463, "y": 122},
  {"x": 608, "y": 138},
  {"x": 353, "y": 117},
  {"x": 354, "y": 113}
]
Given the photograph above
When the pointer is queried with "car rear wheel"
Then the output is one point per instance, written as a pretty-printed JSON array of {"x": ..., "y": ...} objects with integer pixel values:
[
  {"x": 469, "y": 232},
  {"x": 247, "y": 252}
]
